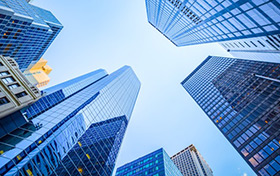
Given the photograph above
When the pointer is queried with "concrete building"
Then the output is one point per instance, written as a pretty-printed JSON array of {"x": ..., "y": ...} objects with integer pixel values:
[
  {"x": 191, "y": 163},
  {"x": 16, "y": 92}
]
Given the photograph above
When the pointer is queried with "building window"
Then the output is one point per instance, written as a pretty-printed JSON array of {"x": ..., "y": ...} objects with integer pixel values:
[
  {"x": 13, "y": 86},
  {"x": 4, "y": 73},
  {"x": 261, "y": 43},
  {"x": 247, "y": 44},
  {"x": 8, "y": 80},
  {"x": 4, "y": 100},
  {"x": 21, "y": 94},
  {"x": 254, "y": 44}
]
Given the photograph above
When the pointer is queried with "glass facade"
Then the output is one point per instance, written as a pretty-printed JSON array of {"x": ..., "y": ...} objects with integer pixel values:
[
  {"x": 190, "y": 162},
  {"x": 242, "y": 98},
  {"x": 189, "y": 22},
  {"x": 76, "y": 128},
  {"x": 26, "y": 31},
  {"x": 157, "y": 163}
]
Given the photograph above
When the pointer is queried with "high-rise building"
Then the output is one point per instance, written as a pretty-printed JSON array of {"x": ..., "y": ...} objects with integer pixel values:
[
  {"x": 202, "y": 21},
  {"x": 76, "y": 128},
  {"x": 16, "y": 92},
  {"x": 26, "y": 31},
  {"x": 157, "y": 163},
  {"x": 190, "y": 162},
  {"x": 242, "y": 98},
  {"x": 37, "y": 73}
]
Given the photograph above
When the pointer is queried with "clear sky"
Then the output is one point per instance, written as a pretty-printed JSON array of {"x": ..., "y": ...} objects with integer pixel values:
[{"x": 110, "y": 34}]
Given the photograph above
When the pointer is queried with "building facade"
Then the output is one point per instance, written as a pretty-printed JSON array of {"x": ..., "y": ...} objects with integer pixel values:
[
  {"x": 76, "y": 128},
  {"x": 197, "y": 22},
  {"x": 191, "y": 163},
  {"x": 157, "y": 163},
  {"x": 242, "y": 98},
  {"x": 37, "y": 73},
  {"x": 16, "y": 92},
  {"x": 26, "y": 31}
]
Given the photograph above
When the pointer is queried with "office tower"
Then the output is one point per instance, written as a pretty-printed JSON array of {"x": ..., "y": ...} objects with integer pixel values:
[
  {"x": 76, "y": 128},
  {"x": 37, "y": 73},
  {"x": 157, "y": 163},
  {"x": 190, "y": 162},
  {"x": 242, "y": 98},
  {"x": 26, "y": 31},
  {"x": 15, "y": 91},
  {"x": 196, "y": 22}
]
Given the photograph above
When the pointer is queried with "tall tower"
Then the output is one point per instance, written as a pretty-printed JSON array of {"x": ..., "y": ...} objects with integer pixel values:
[
  {"x": 76, "y": 128},
  {"x": 190, "y": 162},
  {"x": 244, "y": 26},
  {"x": 26, "y": 31},
  {"x": 157, "y": 163},
  {"x": 242, "y": 98}
]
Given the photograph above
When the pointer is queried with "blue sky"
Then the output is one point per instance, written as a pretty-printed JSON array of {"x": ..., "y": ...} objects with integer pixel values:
[{"x": 110, "y": 34}]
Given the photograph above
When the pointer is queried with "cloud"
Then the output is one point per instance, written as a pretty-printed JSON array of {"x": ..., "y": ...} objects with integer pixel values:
[{"x": 245, "y": 174}]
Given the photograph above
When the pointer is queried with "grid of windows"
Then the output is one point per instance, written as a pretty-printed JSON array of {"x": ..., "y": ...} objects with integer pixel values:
[
  {"x": 242, "y": 98},
  {"x": 202, "y": 21},
  {"x": 27, "y": 39},
  {"x": 80, "y": 134},
  {"x": 157, "y": 163}
]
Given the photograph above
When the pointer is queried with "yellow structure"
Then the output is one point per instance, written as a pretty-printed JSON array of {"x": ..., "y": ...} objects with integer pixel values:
[{"x": 37, "y": 73}]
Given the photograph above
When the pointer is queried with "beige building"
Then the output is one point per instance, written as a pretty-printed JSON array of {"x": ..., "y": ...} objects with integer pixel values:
[
  {"x": 16, "y": 91},
  {"x": 37, "y": 73},
  {"x": 190, "y": 162}
]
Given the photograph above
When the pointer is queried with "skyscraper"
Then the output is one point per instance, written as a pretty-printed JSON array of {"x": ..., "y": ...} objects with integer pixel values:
[
  {"x": 242, "y": 98},
  {"x": 157, "y": 163},
  {"x": 190, "y": 162},
  {"x": 196, "y": 22},
  {"x": 76, "y": 128},
  {"x": 37, "y": 73},
  {"x": 26, "y": 31}
]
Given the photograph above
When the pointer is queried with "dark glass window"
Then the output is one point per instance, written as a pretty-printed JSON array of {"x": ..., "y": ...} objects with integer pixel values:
[
  {"x": 4, "y": 100},
  {"x": 22, "y": 94},
  {"x": 4, "y": 73},
  {"x": 13, "y": 86},
  {"x": 8, "y": 80}
]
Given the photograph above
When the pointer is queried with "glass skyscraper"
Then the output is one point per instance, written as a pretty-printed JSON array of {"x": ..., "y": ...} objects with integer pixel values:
[
  {"x": 242, "y": 98},
  {"x": 157, "y": 163},
  {"x": 190, "y": 162},
  {"x": 202, "y": 21},
  {"x": 76, "y": 128},
  {"x": 26, "y": 31}
]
